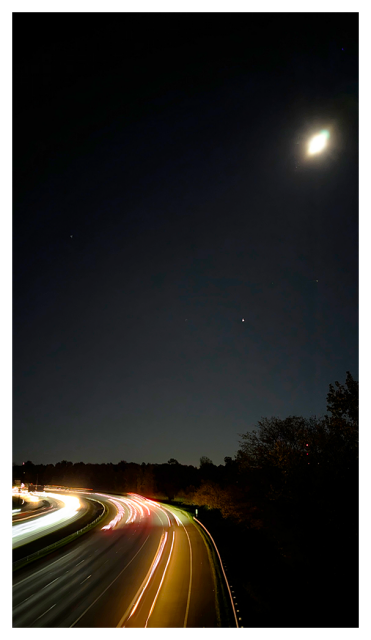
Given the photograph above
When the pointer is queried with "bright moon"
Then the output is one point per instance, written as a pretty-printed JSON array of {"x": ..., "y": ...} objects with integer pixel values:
[{"x": 318, "y": 142}]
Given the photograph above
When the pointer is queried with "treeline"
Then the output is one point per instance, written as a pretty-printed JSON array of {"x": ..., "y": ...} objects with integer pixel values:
[
  {"x": 289, "y": 526},
  {"x": 169, "y": 481}
]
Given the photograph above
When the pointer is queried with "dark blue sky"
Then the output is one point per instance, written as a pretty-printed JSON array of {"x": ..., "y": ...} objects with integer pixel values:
[{"x": 177, "y": 164}]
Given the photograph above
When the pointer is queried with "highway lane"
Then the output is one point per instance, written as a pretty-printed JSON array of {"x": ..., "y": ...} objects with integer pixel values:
[{"x": 150, "y": 568}]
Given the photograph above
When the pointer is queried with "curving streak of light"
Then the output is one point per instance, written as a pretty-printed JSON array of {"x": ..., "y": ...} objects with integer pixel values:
[
  {"x": 151, "y": 572},
  {"x": 68, "y": 511},
  {"x": 131, "y": 516},
  {"x": 118, "y": 517},
  {"x": 135, "y": 510},
  {"x": 155, "y": 504},
  {"x": 138, "y": 506},
  {"x": 141, "y": 501},
  {"x": 160, "y": 585}
]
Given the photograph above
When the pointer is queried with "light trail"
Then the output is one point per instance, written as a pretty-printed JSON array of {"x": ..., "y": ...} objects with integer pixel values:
[
  {"x": 162, "y": 579},
  {"x": 149, "y": 575},
  {"x": 141, "y": 501},
  {"x": 118, "y": 517},
  {"x": 155, "y": 504},
  {"x": 134, "y": 507},
  {"x": 131, "y": 516},
  {"x": 68, "y": 511},
  {"x": 179, "y": 522},
  {"x": 137, "y": 509}
]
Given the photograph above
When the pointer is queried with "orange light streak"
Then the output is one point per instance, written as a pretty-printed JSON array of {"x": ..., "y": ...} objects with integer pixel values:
[
  {"x": 151, "y": 572},
  {"x": 162, "y": 579}
]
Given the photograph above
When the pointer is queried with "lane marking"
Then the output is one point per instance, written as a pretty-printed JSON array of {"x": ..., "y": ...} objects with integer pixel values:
[
  {"x": 86, "y": 579},
  {"x": 162, "y": 579},
  {"x": 50, "y": 583},
  {"x": 79, "y": 618},
  {"x": 221, "y": 564},
  {"x": 79, "y": 563},
  {"x": 43, "y": 614},
  {"x": 43, "y": 569}
]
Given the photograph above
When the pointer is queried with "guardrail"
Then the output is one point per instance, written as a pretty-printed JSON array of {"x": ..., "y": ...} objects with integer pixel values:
[
  {"x": 43, "y": 552},
  {"x": 221, "y": 565}
]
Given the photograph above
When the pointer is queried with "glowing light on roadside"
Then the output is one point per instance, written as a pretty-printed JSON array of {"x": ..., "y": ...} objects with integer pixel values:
[{"x": 318, "y": 142}]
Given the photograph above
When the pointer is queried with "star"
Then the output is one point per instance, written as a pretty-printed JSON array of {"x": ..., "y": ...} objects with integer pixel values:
[{"x": 243, "y": 319}]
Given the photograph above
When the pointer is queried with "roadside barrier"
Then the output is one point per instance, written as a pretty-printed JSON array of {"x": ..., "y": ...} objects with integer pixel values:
[
  {"x": 43, "y": 552},
  {"x": 221, "y": 564}
]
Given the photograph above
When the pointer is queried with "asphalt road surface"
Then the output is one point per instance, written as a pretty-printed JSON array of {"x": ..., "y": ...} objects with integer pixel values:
[{"x": 150, "y": 567}]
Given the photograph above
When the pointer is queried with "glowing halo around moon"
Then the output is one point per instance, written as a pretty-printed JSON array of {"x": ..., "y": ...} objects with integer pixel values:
[{"x": 318, "y": 142}]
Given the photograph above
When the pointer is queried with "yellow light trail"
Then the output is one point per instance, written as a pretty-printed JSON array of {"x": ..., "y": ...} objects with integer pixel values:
[
  {"x": 162, "y": 579},
  {"x": 150, "y": 573}
]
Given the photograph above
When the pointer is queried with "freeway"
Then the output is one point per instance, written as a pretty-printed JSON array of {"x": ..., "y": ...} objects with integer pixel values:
[{"x": 145, "y": 565}]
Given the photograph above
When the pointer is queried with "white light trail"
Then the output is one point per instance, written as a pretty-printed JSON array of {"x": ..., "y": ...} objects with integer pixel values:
[
  {"x": 155, "y": 504},
  {"x": 44, "y": 522},
  {"x": 119, "y": 515}
]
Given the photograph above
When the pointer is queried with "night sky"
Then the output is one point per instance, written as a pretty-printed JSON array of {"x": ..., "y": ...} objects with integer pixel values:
[{"x": 181, "y": 267}]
